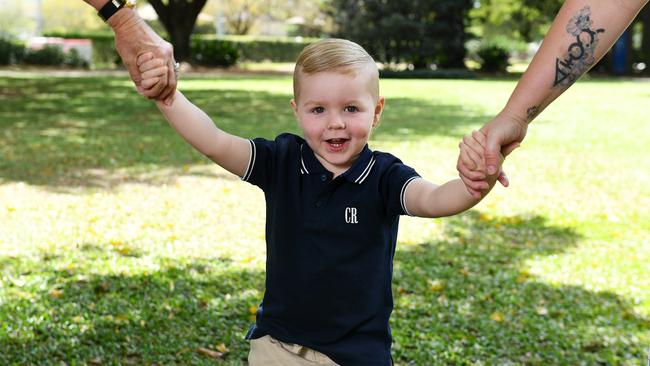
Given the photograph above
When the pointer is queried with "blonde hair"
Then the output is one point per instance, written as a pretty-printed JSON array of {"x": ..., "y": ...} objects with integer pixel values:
[{"x": 334, "y": 54}]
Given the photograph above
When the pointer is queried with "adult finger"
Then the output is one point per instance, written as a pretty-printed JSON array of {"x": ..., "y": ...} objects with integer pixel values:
[
  {"x": 492, "y": 153},
  {"x": 503, "y": 178},
  {"x": 472, "y": 188},
  {"x": 506, "y": 150}
]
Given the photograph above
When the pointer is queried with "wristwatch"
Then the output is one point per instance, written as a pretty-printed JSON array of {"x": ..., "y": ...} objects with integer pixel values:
[{"x": 112, "y": 6}]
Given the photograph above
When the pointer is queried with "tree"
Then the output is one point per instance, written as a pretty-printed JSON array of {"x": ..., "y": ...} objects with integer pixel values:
[
  {"x": 417, "y": 32},
  {"x": 179, "y": 17},
  {"x": 14, "y": 19},
  {"x": 67, "y": 16},
  {"x": 516, "y": 20},
  {"x": 644, "y": 19},
  {"x": 242, "y": 16}
]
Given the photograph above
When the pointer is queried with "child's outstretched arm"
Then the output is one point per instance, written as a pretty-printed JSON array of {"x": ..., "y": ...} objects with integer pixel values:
[
  {"x": 426, "y": 199},
  {"x": 229, "y": 151}
]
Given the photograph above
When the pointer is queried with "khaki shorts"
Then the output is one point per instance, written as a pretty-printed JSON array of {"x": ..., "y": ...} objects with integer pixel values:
[{"x": 268, "y": 351}]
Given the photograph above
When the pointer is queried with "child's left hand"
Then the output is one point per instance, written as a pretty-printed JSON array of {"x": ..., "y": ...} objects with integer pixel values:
[
  {"x": 472, "y": 154},
  {"x": 151, "y": 69}
]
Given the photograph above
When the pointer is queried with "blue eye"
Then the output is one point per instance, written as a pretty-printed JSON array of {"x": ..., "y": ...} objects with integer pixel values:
[
  {"x": 318, "y": 110},
  {"x": 351, "y": 109}
]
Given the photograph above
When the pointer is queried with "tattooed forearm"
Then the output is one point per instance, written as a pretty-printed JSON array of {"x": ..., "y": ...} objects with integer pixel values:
[
  {"x": 580, "y": 55},
  {"x": 532, "y": 112}
]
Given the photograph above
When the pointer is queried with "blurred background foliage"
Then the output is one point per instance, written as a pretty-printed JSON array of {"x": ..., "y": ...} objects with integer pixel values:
[{"x": 404, "y": 36}]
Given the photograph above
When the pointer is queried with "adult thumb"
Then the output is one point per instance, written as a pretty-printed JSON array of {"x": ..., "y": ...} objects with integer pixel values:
[{"x": 492, "y": 152}]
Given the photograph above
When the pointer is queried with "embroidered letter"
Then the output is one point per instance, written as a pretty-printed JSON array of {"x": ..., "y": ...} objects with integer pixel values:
[{"x": 351, "y": 215}]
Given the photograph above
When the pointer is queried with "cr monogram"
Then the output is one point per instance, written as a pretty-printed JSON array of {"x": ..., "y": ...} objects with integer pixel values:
[{"x": 351, "y": 215}]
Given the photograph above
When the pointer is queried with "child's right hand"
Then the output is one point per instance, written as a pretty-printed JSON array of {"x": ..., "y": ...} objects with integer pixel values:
[{"x": 151, "y": 69}]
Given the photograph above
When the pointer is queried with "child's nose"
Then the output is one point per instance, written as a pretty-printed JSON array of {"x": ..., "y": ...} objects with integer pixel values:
[{"x": 336, "y": 122}]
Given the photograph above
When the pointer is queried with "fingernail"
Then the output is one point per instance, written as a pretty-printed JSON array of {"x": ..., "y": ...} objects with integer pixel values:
[{"x": 492, "y": 169}]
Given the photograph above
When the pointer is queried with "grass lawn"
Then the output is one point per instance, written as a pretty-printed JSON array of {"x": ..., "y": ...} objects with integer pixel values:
[{"x": 120, "y": 245}]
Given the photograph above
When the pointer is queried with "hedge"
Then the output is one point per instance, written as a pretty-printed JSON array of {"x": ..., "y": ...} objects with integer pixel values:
[
  {"x": 260, "y": 48},
  {"x": 250, "y": 48},
  {"x": 428, "y": 74},
  {"x": 104, "y": 53},
  {"x": 11, "y": 52},
  {"x": 213, "y": 53}
]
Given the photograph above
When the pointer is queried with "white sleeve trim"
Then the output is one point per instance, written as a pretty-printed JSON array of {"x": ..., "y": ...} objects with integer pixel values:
[
  {"x": 402, "y": 196},
  {"x": 251, "y": 162}
]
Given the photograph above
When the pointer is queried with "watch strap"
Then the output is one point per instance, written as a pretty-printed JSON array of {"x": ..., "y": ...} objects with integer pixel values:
[{"x": 110, "y": 8}]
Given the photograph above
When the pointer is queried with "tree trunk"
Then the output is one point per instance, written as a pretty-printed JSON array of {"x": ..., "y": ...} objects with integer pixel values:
[
  {"x": 644, "y": 18},
  {"x": 178, "y": 17}
]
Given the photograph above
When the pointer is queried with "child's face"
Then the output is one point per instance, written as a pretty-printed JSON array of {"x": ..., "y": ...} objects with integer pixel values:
[{"x": 336, "y": 112}]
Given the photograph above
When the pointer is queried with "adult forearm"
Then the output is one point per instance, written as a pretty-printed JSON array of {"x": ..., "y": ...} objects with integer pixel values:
[
  {"x": 583, "y": 31},
  {"x": 119, "y": 19}
]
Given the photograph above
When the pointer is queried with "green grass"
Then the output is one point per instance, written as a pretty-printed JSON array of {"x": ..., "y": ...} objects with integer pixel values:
[{"x": 121, "y": 245}]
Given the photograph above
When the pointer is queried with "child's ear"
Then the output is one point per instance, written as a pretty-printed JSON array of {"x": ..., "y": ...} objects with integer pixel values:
[
  {"x": 379, "y": 107},
  {"x": 294, "y": 106}
]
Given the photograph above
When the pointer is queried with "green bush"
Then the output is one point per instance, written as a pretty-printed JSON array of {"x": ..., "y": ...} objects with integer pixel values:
[
  {"x": 214, "y": 52},
  {"x": 104, "y": 53},
  {"x": 11, "y": 52},
  {"x": 259, "y": 49},
  {"x": 49, "y": 55},
  {"x": 428, "y": 74},
  {"x": 494, "y": 58},
  {"x": 74, "y": 59},
  {"x": 249, "y": 48}
]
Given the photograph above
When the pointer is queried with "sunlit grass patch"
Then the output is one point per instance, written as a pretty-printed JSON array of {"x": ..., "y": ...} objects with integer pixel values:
[{"x": 121, "y": 245}]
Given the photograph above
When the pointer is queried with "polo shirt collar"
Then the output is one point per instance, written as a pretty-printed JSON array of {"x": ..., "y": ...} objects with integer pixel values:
[{"x": 357, "y": 173}]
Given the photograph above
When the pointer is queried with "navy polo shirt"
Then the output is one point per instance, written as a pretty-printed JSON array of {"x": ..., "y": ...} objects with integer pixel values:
[{"x": 330, "y": 247}]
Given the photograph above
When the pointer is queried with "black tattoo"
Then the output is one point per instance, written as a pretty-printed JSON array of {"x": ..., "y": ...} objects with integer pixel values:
[
  {"x": 580, "y": 55},
  {"x": 532, "y": 112}
]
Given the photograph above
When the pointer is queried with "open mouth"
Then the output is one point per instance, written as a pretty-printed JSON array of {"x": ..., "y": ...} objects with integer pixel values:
[{"x": 336, "y": 143}]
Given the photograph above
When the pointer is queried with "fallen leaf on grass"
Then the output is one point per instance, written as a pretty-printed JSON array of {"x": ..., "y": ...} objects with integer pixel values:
[
  {"x": 56, "y": 293},
  {"x": 436, "y": 286},
  {"x": 523, "y": 276},
  {"x": 497, "y": 317},
  {"x": 209, "y": 353},
  {"x": 222, "y": 348},
  {"x": 542, "y": 311}
]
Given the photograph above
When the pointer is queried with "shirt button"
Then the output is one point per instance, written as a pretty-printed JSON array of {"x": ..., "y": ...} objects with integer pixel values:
[
  {"x": 323, "y": 177},
  {"x": 319, "y": 204}
]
